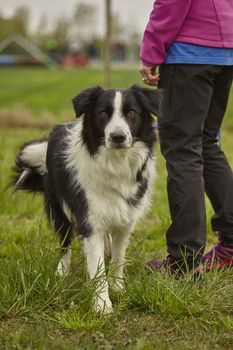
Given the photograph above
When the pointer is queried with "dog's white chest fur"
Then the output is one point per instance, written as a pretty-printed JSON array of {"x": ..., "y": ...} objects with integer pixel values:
[{"x": 109, "y": 180}]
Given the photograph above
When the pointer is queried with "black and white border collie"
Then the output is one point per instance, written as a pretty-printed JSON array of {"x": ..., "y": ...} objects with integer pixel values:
[{"x": 96, "y": 175}]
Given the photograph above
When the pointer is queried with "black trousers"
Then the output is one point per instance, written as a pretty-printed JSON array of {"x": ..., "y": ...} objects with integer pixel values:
[{"x": 192, "y": 112}]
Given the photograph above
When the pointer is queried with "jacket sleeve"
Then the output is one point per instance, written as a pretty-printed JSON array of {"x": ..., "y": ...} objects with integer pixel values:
[{"x": 165, "y": 22}]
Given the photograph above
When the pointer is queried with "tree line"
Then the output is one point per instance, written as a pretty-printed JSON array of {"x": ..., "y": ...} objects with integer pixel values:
[{"x": 70, "y": 34}]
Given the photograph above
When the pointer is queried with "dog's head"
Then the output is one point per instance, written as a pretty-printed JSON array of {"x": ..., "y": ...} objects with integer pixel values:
[{"x": 117, "y": 118}]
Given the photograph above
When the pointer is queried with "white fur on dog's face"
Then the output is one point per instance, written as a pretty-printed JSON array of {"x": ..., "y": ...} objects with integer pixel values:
[{"x": 118, "y": 126}]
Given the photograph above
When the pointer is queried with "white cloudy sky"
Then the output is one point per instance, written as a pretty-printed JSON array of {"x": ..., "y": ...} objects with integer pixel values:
[{"x": 134, "y": 13}]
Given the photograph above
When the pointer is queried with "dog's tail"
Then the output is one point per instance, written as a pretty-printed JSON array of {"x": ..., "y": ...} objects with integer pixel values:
[{"x": 30, "y": 166}]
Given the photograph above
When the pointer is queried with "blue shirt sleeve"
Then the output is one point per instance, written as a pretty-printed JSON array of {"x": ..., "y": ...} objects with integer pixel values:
[{"x": 195, "y": 54}]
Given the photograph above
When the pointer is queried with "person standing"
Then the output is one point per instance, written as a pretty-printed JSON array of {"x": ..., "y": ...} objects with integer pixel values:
[{"x": 191, "y": 41}]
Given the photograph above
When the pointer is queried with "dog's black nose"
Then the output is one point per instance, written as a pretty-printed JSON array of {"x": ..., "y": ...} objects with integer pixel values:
[{"x": 118, "y": 137}]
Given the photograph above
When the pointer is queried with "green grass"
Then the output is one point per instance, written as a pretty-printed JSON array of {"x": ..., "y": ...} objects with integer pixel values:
[
  {"x": 41, "y": 90},
  {"x": 40, "y": 311}
]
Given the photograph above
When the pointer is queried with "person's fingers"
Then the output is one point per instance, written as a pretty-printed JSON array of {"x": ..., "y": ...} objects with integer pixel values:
[
  {"x": 153, "y": 77},
  {"x": 144, "y": 74},
  {"x": 150, "y": 79},
  {"x": 149, "y": 75},
  {"x": 146, "y": 71}
]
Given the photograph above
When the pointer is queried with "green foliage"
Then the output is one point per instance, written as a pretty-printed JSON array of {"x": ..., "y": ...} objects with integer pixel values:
[
  {"x": 84, "y": 14},
  {"x": 18, "y": 23}
]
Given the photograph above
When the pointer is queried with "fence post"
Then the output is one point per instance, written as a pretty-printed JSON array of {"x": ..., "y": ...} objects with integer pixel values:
[{"x": 107, "y": 46}]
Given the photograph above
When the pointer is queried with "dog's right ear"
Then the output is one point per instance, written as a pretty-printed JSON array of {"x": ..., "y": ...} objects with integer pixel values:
[{"x": 85, "y": 100}]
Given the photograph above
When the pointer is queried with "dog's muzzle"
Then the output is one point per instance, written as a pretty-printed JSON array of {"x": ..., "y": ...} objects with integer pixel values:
[{"x": 118, "y": 139}]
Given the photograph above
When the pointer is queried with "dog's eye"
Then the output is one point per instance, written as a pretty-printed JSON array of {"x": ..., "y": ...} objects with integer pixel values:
[
  {"x": 131, "y": 114},
  {"x": 103, "y": 115}
]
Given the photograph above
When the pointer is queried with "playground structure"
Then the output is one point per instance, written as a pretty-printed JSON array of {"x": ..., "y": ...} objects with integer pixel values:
[{"x": 38, "y": 56}]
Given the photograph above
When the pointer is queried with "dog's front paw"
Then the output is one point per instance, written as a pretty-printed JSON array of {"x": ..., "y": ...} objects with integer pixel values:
[
  {"x": 62, "y": 271},
  {"x": 117, "y": 285},
  {"x": 63, "y": 267},
  {"x": 103, "y": 305}
]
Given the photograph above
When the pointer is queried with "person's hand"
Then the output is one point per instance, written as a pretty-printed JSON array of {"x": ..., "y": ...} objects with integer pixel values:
[{"x": 149, "y": 75}]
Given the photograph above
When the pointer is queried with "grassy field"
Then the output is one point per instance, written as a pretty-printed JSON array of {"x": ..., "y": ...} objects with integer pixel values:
[
  {"x": 43, "y": 91},
  {"x": 40, "y": 311}
]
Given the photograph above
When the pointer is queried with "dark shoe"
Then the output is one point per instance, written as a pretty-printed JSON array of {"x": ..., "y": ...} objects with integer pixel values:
[
  {"x": 219, "y": 257},
  {"x": 172, "y": 266}
]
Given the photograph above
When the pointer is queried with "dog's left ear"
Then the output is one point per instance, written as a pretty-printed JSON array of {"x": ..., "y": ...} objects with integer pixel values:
[
  {"x": 149, "y": 99},
  {"x": 83, "y": 102}
]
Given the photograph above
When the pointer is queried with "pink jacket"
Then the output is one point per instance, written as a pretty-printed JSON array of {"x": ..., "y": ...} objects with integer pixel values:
[{"x": 200, "y": 22}]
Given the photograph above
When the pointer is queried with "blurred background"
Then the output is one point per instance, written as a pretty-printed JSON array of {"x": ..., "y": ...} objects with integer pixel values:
[
  {"x": 70, "y": 33},
  {"x": 50, "y": 50}
]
